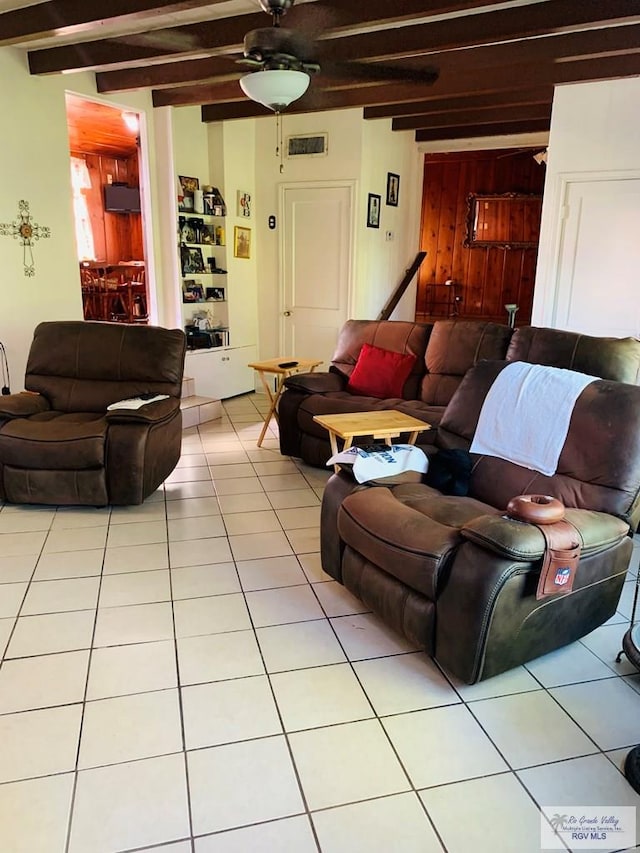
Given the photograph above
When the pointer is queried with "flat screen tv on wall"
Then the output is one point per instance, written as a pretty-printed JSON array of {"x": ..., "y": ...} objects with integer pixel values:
[{"x": 119, "y": 198}]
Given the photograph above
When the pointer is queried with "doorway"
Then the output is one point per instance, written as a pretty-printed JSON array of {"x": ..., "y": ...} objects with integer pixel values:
[
  {"x": 316, "y": 265},
  {"x": 104, "y": 147}
]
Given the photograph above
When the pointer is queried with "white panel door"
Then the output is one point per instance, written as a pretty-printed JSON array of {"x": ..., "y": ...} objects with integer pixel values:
[
  {"x": 316, "y": 265},
  {"x": 599, "y": 258}
]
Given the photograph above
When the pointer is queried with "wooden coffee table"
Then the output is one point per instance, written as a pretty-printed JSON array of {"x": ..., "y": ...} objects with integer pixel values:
[
  {"x": 280, "y": 367},
  {"x": 387, "y": 424}
]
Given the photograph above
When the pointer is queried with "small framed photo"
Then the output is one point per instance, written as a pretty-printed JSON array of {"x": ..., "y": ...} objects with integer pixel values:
[
  {"x": 244, "y": 205},
  {"x": 208, "y": 235},
  {"x": 191, "y": 260},
  {"x": 187, "y": 187},
  {"x": 241, "y": 242},
  {"x": 373, "y": 210},
  {"x": 192, "y": 291},
  {"x": 213, "y": 202},
  {"x": 393, "y": 189}
]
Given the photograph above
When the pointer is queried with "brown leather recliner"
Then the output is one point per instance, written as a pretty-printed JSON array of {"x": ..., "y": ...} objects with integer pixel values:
[
  {"x": 444, "y": 352},
  {"x": 58, "y": 442},
  {"x": 456, "y": 576}
]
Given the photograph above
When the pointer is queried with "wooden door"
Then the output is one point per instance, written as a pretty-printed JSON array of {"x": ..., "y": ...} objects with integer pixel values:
[{"x": 316, "y": 267}]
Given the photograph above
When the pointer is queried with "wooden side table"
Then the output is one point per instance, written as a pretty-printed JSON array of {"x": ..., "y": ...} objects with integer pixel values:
[
  {"x": 384, "y": 424},
  {"x": 280, "y": 367}
]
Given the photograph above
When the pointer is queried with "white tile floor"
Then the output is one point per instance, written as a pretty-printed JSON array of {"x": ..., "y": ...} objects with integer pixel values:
[{"x": 184, "y": 677}]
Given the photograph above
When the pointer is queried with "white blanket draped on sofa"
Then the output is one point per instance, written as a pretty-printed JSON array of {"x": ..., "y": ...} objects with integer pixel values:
[{"x": 525, "y": 416}]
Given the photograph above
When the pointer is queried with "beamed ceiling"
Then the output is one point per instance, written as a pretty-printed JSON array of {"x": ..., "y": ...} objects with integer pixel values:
[{"x": 497, "y": 63}]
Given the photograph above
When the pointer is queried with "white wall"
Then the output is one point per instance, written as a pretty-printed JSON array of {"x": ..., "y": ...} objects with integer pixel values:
[
  {"x": 239, "y": 173},
  {"x": 35, "y": 166},
  {"x": 236, "y": 156},
  {"x": 382, "y": 262},
  {"x": 34, "y": 143},
  {"x": 595, "y": 131},
  {"x": 358, "y": 151}
]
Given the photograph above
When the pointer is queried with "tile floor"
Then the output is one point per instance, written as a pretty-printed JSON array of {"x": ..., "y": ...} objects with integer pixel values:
[{"x": 183, "y": 677}]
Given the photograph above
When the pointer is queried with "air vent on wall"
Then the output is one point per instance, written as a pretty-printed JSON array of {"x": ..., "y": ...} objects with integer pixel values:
[{"x": 312, "y": 145}]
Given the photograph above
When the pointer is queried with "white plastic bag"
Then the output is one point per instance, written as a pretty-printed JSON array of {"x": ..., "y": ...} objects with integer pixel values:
[{"x": 382, "y": 462}]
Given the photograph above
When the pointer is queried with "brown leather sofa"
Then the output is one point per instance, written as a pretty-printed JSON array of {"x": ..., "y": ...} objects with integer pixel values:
[
  {"x": 455, "y": 575},
  {"x": 444, "y": 352},
  {"x": 58, "y": 442}
]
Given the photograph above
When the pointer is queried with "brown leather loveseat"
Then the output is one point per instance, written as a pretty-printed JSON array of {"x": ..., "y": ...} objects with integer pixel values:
[
  {"x": 443, "y": 353},
  {"x": 455, "y": 575},
  {"x": 58, "y": 442}
]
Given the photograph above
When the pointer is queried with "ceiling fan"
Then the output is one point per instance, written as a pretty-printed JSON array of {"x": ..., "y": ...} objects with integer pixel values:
[{"x": 284, "y": 60}]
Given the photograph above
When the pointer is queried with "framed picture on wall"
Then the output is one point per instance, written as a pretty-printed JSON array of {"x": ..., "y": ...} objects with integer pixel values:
[
  {"x": 373, "y": 210},
  {"x": 244, "y": 204},
  {"x": 393, "y": 189},
  {"x": 241, "y": 242}
]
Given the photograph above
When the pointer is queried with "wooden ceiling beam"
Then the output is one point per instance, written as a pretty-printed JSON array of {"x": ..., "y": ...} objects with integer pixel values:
[
  {"x": 167, "y": 74},
  {"x": 68, "y": 17},
  {"x": 226, "y": 34},
  {"x": 467, "y": 83},
  {"x": 489, "y": 115},
  {"x": 544, "y": 49},
  {"x": 479, "y": 130},
  {"x": 327, "y": 94},
  {"x": 519, "y": 22},
  {"x": 584, "y": 43},
  {"x": 510, "y": 98},
  {"x": 508, "y": 81}
]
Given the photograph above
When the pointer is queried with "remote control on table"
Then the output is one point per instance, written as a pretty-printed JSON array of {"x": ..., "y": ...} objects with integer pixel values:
[{"x": 288, "y": 364}]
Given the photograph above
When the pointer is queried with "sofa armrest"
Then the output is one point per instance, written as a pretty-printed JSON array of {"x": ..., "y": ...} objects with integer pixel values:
[
  {"x": 151, "y": 413},
  {"x": 22, "y": 405},
  {"x": 518, "y": 540},
  {"x": 315, "y": 383}
]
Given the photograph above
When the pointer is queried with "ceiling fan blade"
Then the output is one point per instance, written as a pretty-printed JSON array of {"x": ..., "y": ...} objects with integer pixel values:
[{"x": 378, "y": 71}]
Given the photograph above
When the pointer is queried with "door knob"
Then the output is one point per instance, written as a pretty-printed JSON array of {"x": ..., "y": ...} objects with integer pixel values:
[{"x": 287, "y": 313}]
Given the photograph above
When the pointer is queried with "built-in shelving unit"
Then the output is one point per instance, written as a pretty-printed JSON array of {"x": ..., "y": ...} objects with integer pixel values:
[
  {"x": 216, "y": 360},
  {"x": 202, "y": 250}
]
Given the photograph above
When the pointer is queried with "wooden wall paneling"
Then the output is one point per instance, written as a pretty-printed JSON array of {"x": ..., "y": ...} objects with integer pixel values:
[
  {"x": 473, "y": 287},
  {"x": 429, "y": 240},
  {"x": 473, "y": 284},
  {"x": 96, "y": 206},
  {"x": 486, "y": 278},
  {"x": 527, "y": 281},
  {"x": 532, "y": 217},
  {"x": 110, "y": 173},
  {"x": 447, "y": 224},
  {"x": 512, "y": 278},
  {"x": 459, "y": 260},
  {"x": 136, "y": 241},
  {"x": 116, "y": 236},
  {"x": 492, "y": 304}
]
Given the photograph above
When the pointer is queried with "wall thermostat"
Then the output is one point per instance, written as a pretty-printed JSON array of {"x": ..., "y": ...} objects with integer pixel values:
[{"x": 272, "y": 223}]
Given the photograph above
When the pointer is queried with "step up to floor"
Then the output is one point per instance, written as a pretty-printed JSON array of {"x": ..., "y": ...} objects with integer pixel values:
[
  {"x": 199, "y": 410},
  {"x": 188, "y": 387}
]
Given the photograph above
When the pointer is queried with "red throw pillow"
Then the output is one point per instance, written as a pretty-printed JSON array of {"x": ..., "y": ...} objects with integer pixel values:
[{"x": 380, "y": 372}]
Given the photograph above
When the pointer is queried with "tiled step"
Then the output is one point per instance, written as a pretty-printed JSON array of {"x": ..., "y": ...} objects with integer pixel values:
[
  {"x": 198, "y": 410},
  {"x": 188, "y": 387}
]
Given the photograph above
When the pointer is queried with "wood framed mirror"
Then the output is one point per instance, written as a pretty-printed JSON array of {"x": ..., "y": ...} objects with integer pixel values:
[{"x": 503, "y": 220}]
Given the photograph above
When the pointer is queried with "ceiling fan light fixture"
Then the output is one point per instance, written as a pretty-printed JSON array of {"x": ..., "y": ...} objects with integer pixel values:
[{"x": 275, "y": 88}]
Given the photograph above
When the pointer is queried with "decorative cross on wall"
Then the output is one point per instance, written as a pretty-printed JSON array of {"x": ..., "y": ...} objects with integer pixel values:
[{"x": 28, "y": 232}]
